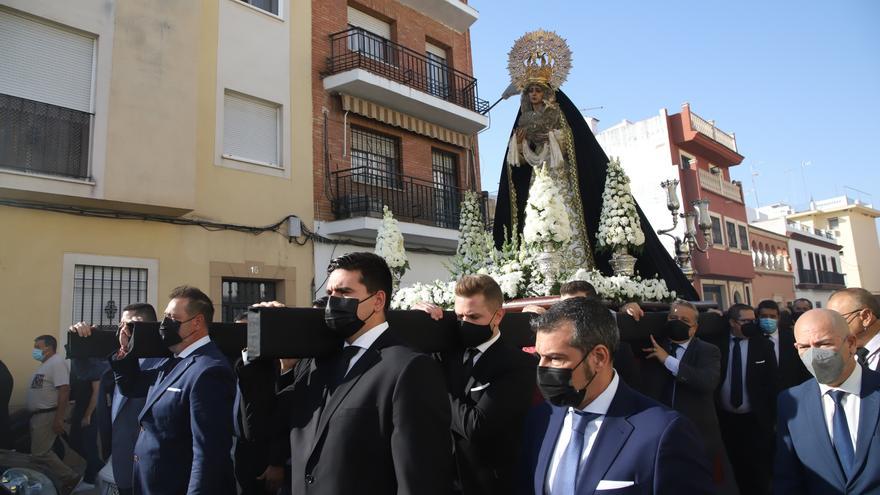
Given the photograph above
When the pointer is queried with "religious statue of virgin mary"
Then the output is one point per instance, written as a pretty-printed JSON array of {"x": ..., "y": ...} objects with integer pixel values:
[{"x": 551, "y": 133}]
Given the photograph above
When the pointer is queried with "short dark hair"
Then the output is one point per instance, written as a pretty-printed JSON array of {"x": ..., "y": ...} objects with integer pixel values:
[
  {"x": 240, "y": 316},
  {"x": 591, "y": 321},
  {"x": 145, "y": 311},
  {"x": 577, "y": 287},
  {"x": 48, "y": 341},
  {"x": 198, "y": 303},
  {"x": 734, "y": 311},
  {"x": 321, "y": 302},
  {"x": 471, "y": 285},
  {"x": 810, "y": 303},
  {"x": 374, "y": 271},
  {"x": 767, "y": 304}
]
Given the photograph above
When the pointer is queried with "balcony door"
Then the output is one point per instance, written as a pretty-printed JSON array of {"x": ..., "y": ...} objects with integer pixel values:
[
  {"x": 438, "y": 71},
  {"x": 373, "y": 40},
  {"x": 446, "y": 196}
]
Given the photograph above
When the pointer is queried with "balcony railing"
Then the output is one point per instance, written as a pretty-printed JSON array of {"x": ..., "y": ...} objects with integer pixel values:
[
  {"x": 806, "y": 276},
  {"x": 357, "y": 48},
  {"x": 708, "y": 128},
  {"x": 41, "y": 138},
  {"x": 793, "y": 226},
  {"x": 363, "y": 191},
  {"x": 831, "y": 278},
  {"x": 717, "y": 184}
]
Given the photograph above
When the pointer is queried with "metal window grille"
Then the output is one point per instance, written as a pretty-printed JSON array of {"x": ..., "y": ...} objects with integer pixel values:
[
  {"x": 238, "y": 294},
  {"x": 717, "y": 234},
  {"x": 100, "y": 292},
  {"x": 376, "y": 158},
  {"x": 731, "y": 235},
  {"x": 446, "y": 198},
  {"x": 743, "y": 237}
]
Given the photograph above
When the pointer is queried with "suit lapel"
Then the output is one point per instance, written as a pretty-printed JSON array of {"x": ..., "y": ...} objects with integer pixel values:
[
  {"x": 818, "y": 430},
  {"x": 486, "y": 361},
  {"x": 162, "y": 386},
  {"x": 613, "y": 433},
  {"x": 869, "y": 410},
  {"x": 548, "y": 445}
]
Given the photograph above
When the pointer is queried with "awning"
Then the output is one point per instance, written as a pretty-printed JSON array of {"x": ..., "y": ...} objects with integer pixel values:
[{"x": 391, "y": 117}]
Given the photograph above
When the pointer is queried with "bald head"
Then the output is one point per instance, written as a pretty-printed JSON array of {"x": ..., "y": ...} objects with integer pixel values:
[
  {"x": 861, "y": 311},
  {"x": 825, "y": 330}
]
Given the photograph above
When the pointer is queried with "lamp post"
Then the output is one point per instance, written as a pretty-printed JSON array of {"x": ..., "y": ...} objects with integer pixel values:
[{"x": 692, "y": 220}]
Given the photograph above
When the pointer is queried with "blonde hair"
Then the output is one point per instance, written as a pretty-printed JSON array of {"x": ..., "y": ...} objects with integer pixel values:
[{"x": 471, "y": 285}]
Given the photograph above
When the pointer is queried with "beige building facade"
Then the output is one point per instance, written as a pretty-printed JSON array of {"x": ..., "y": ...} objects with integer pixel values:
[{"x": 145, "y": 145}]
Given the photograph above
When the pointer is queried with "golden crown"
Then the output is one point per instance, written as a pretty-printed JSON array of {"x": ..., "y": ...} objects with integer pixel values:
[{"x": 539, "y": 57}]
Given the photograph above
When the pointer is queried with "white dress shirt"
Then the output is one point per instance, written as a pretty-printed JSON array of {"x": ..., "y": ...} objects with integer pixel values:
[
  {"x": 600, "y": 406},
  {"x": 482, "y": 348},
  {"x": 192, "y": 347},
  {"x": 672, "y": 362},
  {"x": 851, "y": 403},
  {"x": 725, "y": 387},
  {"x": 873, "y": 347},
  {"x": 365, "y": 341}
]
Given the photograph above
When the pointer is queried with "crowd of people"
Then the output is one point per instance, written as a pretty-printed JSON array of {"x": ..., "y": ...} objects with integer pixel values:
[{"x": 783, "y": 401}]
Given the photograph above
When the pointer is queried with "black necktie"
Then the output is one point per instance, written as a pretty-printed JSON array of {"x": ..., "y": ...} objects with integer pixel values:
[
  {"x": 862, "y": 356},
  {"x": 166, "y": 368},
  {"x": 736, "y": 379},
  {"x": 468, "y": 366},
  {"x": 345, "y": 357}
]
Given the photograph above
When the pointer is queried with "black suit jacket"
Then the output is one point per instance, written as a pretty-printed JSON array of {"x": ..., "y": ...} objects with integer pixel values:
[
  {"x": 760, "y": 383},
  {"x": 489, "y": 407},
  {"x": 791, "y": 369},
  {"x": 383, "y": 430}
]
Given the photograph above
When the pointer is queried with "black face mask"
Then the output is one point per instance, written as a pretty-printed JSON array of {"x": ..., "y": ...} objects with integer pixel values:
[
  {"x": 169, "y": 331},
  {"x": 750, "y": 330},
  {"x": 340, "y": 315},
  {"x": 555, "y": 385},
  {"x": 472, "y": 334},
  {"x": 796, "y": 315},
  {"x": 677, "y": 330}
]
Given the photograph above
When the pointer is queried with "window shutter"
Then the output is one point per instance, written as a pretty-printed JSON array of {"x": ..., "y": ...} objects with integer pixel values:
[
  {"x": 376, "y": 26},
  {"x": 41, "y": 62},
  {"x": 250, "y": 129},
  {"x": 436, "y": 51}
]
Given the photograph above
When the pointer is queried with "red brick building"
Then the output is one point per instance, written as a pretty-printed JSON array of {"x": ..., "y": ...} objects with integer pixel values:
[{"x": 396, "y": 113}]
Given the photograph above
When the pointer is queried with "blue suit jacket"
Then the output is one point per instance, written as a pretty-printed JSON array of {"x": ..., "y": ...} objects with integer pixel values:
[
  {"x": 640, "y": 440},
  {"x": 805, "y": 459},
  {"x": 186, "y": 424}
]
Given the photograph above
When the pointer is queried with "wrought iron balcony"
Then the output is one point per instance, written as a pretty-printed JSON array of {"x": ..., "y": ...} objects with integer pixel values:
[
  {"x": 356, "y": 48},
  {"x": 41, "y": 138},
  {"x": 363, "y": 191},
  {"x": 807, "y": 276},
  {"x": 831, "y": 278}
]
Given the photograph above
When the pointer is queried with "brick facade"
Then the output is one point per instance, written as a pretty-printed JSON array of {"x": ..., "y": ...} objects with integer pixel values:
[{"x": 411, "y": 29}]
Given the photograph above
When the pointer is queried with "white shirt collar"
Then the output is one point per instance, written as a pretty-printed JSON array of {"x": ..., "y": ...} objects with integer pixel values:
[
  {"x": 192, "y": 347},
  {"x": 487, "y": 344},
  {"x": 852, "y": 385},
  {"x": 873, "y": 345},
  {"x": 367, "y": 338},
  {"x": 601, "y": 403}
]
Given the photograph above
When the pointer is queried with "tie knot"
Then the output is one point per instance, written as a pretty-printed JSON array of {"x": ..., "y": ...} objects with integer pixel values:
[
  {"x": 737, "y": 340},
  {"x": 862, "y": 354},
  {"x": 837, "y": 396},
  {"x": 580, "y": 420},
  {"x": 349, "y": 352}
]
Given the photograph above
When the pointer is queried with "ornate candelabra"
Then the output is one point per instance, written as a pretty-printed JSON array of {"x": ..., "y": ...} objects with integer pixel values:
[{"x": 699, "y": 217}]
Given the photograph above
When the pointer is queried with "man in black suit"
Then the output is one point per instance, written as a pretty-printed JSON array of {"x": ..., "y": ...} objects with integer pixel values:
[
  {"x": 373, "y": 418},
  {"x": 185, "y": 434},
  {"x": 491, "y": 387},
  {"x": 683, "y": 372},
  {"x": 5, "y": 393},
  {"x": 746, "y": 400},
  {"x": 791, "y": 370}
]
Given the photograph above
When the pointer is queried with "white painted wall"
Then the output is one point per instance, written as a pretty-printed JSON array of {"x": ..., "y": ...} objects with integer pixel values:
[{"x": 644, "y": 152}]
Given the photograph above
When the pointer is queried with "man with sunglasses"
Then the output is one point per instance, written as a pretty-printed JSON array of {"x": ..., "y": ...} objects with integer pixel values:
[
  {"x": 185, "y": 434},
  {"x": 861, "y": 311}
]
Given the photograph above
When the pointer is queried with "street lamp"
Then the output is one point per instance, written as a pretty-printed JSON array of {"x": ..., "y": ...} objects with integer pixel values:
[{"x": 697, "y": 218}]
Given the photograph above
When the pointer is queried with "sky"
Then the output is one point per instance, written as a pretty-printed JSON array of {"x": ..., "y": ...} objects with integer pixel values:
[{"x": 797, "y": 81}]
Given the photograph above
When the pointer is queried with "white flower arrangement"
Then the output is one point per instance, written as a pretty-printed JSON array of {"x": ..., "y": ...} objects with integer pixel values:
[
  {"x": 619, "y": 225},
  {"x": 620, "y": 288},
  {"x": 547, "y": 225},
  {"x": 437, "y": 292},
  {"x": 475, "y": 243},
  {"x": 389, "y": 244}
]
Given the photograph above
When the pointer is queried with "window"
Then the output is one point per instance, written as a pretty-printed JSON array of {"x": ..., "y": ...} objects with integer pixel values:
[
  {"x": 743, "y": 237},
  {"x": 238, "y": 294},
  {"x": 824, "y": 265},
  {"x": 712, "y": 292},
  {"x": 373, "y": 40},
  {"x": 717, "y": 234},
  {"x": 46, "y": 77},
  {"x": 799, "y": 259},
  {"x": 251, "y": 130},
  {"x": 731, "y": 234},
  {"x": 833, "y": 265},
  {"x": 270, "y": 6},
  {"x": 446, "y": 200},
  {"x": 685, "y": 162},
  {"x": 833, "y": 223},
  {"x": 375, "y": 158},
  {"x": 100, "y": 292},
  {"x": 438, "y": 71}
]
